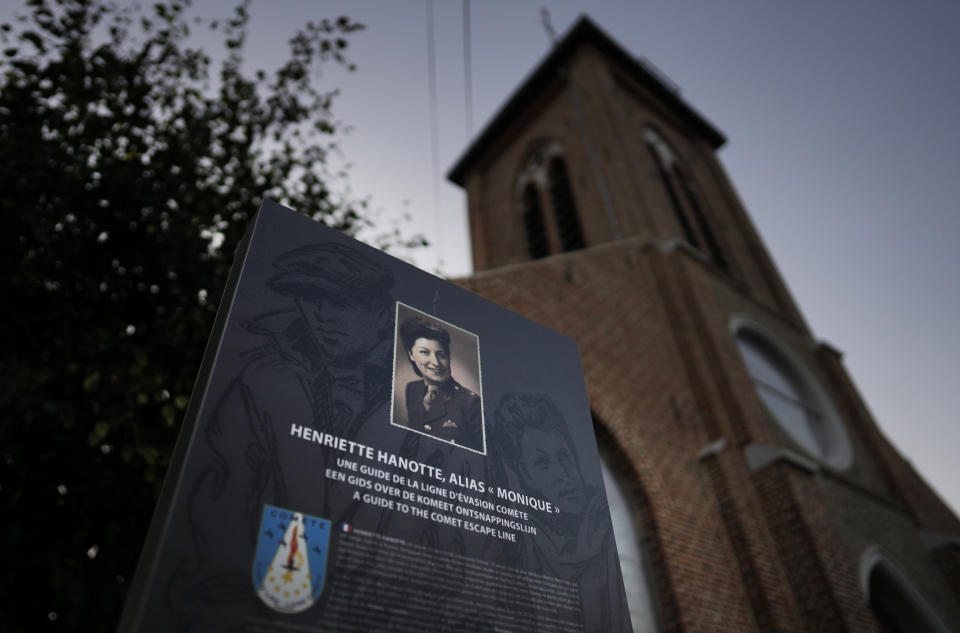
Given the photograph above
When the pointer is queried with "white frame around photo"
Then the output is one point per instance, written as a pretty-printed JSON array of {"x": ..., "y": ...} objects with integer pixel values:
[{"x": 400, "y": 359}]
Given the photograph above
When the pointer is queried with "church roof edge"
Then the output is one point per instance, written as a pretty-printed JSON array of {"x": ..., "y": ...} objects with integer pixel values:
[{"x": 584, "y": 31}]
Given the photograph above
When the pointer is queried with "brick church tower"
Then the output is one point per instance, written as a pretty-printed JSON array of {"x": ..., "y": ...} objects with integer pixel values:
[{"x": 751, "y": 489}]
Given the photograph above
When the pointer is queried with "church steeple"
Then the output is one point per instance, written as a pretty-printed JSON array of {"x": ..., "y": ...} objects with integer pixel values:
[
  {"x": 598, "y": 207},
  {"x": 596, "y": 147}
]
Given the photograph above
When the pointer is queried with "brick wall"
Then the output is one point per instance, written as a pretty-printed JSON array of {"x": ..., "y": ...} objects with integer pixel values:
[
  {"x": 660, "y": 405},
  {"x": 771, "y": 550}
]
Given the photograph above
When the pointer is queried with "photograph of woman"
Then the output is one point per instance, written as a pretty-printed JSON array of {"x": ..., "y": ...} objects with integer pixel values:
[{"x": 434, "y": 402}]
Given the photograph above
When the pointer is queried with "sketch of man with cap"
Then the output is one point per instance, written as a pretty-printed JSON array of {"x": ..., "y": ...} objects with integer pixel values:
[
  {"x": 343, "y": 322},
  {"x": 344, "y": 299},
  {"x": 323, "y": 362}
]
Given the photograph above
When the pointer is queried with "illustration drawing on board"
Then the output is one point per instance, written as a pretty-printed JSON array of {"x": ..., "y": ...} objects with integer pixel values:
[
  {"x": 340, "y": 467},
  {"x": 437, "y": 384},
  {"x": 320, "y": 357},
  {"x": 539, "y": 457}
]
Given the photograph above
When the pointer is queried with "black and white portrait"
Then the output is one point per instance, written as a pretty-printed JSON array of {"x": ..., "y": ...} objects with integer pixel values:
[{"x": 436, "y": 380}]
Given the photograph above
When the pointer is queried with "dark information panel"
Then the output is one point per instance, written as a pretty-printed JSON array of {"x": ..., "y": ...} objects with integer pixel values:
[{"x": 371, "y": 448}]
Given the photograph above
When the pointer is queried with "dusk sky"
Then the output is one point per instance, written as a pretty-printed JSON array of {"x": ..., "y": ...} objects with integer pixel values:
[{"x": 843, "y": 145}]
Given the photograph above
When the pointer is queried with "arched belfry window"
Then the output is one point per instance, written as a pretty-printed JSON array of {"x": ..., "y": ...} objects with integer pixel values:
[
  {"x": 696, "y": 209},
  {"x": 565, "y": 207},
  {"x": 533, "y": 223},
  {"x": 551, "y": 221},
  {"x": 898, "y": 606},
  {"x": 684, "y": 200},
  {"x": 633, "y": 558},
  {"x": 793, "y": 397},
  {"x": 664, "y": 159}
]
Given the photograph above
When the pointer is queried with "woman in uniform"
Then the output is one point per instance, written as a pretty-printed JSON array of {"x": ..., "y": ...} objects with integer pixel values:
[{"x": 436, "y": 403}]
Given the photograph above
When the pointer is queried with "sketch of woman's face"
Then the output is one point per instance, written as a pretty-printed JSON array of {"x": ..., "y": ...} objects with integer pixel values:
[{"x": 549, "y": 468}]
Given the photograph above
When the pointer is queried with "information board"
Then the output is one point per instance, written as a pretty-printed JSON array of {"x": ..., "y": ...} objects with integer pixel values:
[{"x": 372, "y": 448}]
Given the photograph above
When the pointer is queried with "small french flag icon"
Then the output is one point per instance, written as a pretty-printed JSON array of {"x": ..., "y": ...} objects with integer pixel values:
[{"x": 346, "y": 527}]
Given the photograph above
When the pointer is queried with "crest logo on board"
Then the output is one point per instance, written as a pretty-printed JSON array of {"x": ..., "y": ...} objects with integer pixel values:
[{"x": 290, "y": 563}]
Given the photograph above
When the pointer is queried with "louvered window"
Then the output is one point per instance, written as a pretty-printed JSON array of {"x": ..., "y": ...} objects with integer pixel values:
[
  {"x": 564, "y": 207},
  {"x": 693, "y": 202},
  {"x": 533, "y": 223},
  {"x": 678, "y": 211},
  {"x": 684, "y": 200}
]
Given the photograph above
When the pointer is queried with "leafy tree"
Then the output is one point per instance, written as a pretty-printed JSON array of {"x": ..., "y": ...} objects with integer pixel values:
[{"x": 131, "y": 163}]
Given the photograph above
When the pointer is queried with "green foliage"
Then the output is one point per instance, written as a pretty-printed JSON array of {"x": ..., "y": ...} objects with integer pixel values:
[{"x": 131, "y": 164}]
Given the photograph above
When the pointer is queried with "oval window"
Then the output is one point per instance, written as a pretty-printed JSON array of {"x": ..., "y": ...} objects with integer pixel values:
[{"x": 793, "y": 398}]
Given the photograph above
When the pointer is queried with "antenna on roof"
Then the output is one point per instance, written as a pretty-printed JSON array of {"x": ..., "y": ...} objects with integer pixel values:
[{"x": 548, "y": 25}]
